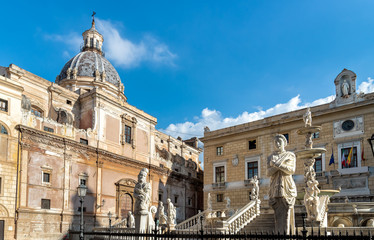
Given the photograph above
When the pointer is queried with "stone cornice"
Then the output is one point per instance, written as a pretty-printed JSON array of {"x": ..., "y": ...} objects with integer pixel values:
[
  {"x": 14, "y": 85},
  {"x": 61, "y": 142}
]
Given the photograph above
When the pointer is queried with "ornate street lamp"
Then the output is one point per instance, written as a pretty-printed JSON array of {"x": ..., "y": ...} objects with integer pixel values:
[
  {"x": 82, "y": 190},
  {"x": 371, "y": 142},
  {"x": 110, "y": 220}
]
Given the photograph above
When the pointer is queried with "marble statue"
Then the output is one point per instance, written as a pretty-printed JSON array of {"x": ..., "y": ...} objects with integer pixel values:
[
  {"x": 206, "y": 129},
  {"x": 125, "y": 223},
  {"x": 345, "y": 89},
  {"x": 255, "y": 188},
  {"x": 307, "y": 117},
  {"x": 161, "y": 213},
  {"x": 172, "y": 213},
  {"x": 228, "y": 202},
  {"x": 142, "y": 193},
  {"x": 209, "y": 202},
  {"x": 370, "y": 222},
  {"x": 282, "y": 193},
  {"x": 311, "y": 199},
  {"x": 130, "y": 220}
]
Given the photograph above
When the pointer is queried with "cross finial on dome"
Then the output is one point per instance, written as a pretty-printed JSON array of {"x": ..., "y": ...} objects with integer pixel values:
[{"x": 93, "y": 19}]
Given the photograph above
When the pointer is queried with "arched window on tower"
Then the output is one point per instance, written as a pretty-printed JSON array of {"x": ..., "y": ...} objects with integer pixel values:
[
  {"x": 97, "y": 44},
  {"x": 3, "y": 142},
  {"x": 91, "y": 42}
]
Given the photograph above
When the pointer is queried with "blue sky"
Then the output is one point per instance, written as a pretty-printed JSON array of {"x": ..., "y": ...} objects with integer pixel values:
[{"x": 197, "y": 63}]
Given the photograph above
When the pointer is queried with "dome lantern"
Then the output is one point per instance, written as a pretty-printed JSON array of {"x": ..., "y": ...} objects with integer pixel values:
[{"x": 92, "y": 39}]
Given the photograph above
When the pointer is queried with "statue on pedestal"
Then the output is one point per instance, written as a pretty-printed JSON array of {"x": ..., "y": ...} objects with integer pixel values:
[
  {"x": 130, "y": 220},
  {"x": 345, "y": 89},
  {"x": 307, "y": 117},
  {"x": 142, "y": 194},
  {"x": 282, "y": 194},
  {"x": 209, "y": 202},
  {"x": 255, "y": 188},
  {"x": 172, "y": 214},
  {"x": 161, "y": 213}
]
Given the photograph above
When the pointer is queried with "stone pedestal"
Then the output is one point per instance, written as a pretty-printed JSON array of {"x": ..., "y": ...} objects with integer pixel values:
[
  {"x": 171, "y": 227},
  {"x": 141, "y": 222}
]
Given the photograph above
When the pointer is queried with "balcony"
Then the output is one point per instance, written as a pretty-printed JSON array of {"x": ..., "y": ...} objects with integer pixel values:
[{"x": 220, "y": 185}]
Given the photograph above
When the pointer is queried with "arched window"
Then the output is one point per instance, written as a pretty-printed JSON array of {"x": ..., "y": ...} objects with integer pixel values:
[
  {"x": 3, "y": 130},
  {"x": 3, "y": 142},
  {"x": 36, "y": 111}
]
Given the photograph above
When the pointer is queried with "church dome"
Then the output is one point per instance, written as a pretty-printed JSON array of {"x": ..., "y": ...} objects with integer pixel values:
[{"x": 90, "y": 62}]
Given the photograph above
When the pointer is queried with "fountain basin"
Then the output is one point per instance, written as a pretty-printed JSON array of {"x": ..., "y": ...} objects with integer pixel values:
[
  {"x": 310, "y": 153},
  {"x": 323, "y": 192},
  {"x": 306, "y": 130}
]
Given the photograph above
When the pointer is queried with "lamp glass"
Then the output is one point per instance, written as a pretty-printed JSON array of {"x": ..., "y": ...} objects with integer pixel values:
[
  {"x": 109, "y": 214},
  {"x": 82, "y": 190}
]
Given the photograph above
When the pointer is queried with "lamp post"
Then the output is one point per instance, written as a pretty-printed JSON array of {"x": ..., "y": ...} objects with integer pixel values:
[
  {"x": 82, "y": 190},
  {"x": 110, "y": 220},
  {"x": 371, "y": 142}
]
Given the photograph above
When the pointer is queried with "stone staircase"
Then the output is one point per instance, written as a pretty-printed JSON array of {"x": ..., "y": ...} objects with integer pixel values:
[{"x": 264, "y": 223}]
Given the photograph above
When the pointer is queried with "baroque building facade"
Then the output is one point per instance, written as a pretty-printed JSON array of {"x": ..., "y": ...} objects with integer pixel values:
[
  {"x": 234, "y": 155},
  {"x": 81, "y": 130}
]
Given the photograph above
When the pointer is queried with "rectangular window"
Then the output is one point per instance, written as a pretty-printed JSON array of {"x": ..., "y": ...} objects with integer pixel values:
[
  {"x": 175, "y": 199},
  {"x": 252, "y": 168},
  {"x": 219, "y": 151},
  {"x": 252, "y": 144},
  {"x": 1, "y": 186},
  {"x": 160, "y": 197},
  {"x": 91, "y": 42},
  {"x": 315, "y": 135},
  {"x": 127, "y": 134},
  {"x": 68, "y": 102},
  {"x": 3, "y": 105},
  {"x": 46, "y": 177},
  {"x": 220, "y": 197},
  {"x": 220, "y": 174},
  {"x": 345, "y": 162},
  {"x": 189, "y": 201},
  {"x": 318, "y": 165},
  {"x": 46, "y": 204},
  {"x": 83, "y": 141},
  {"x": 48, "y": 129}
]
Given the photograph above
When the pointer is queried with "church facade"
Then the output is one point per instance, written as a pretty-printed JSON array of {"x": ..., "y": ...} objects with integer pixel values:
[
  {"x": 81, "y": 130},
  {"x": 234, "y": 155}
]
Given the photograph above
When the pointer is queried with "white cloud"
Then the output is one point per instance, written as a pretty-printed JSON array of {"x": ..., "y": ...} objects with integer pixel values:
[
  {"x": 214, "y": 119},
  {"x": 71, "y": 40},
  {"x": 119, "y": 49},
  {"x": 126, "y": 53},
  {"x": 366, "y": 87}
]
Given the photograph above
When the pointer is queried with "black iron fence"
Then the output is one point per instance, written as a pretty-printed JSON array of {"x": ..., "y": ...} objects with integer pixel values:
[{"x": 312, "y": 233}]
